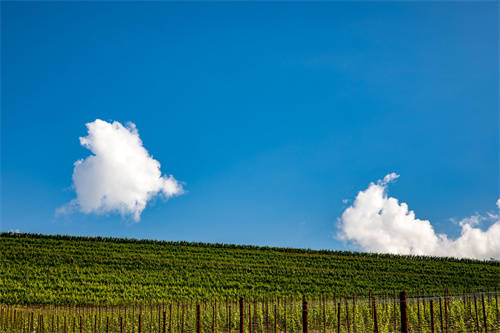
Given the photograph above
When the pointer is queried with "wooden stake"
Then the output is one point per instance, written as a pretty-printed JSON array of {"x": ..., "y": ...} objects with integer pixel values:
[
  {"x": 347, "y": 316},
  {"x": 284, "y": 313},
  {"x": 169, "y": 317},
  {"x": 375, "y": 319},
  {"x": 496, "y": 303},
  {"x": 164, "y": 330},
  {"x": 254, "y": 319},
  {"x": 418, "y": 313},
  {"x": 338, "y": 317},
  {"x": 305, "y": 316},
  {"x": 151, "y": 318},
  {"x": 475, "y": 308},
  {"x": 182, "y": 318},
  {"x": 214, "y": 306},
  {"x": 394, "y": 310},
  {"x": 242, "y": 315},
  {"x": 275, "y": 319},
  {"x": 324, "y": 315},
  {"x": 354, "y": 313},
  {"x": 441, "y": 314},
  {"x": 432, "y": 316},
  {"x": 484, "y": 314},
  {"x": 404, "y": 313},
  {"x": 249, "y": 319},
  {"x": 446, "y": 313},
  {"x": 267, "y": 316},
  {"x": 229, "y": 322},
  {"x": 198, "y": 318}
]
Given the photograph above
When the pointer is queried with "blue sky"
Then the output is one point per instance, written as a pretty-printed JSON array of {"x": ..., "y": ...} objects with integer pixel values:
[{"x": 269, "y": 113}]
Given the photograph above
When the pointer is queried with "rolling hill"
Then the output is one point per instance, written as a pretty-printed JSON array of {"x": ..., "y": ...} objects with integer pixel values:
[{"x": 44, "y": 269}]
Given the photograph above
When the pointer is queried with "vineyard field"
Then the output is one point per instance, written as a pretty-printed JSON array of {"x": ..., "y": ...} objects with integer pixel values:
[{"x": 66, "y": 270}]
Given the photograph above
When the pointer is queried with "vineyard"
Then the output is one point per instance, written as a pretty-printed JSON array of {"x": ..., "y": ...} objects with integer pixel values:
[
  {"x": 65, "y": 270},
  {"x": 464, "y": 313}
]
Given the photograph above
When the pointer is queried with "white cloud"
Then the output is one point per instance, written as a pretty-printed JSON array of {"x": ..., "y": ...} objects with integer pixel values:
[
  {"x": 120, "y": 176},
  {"x": 388, "y": 179},
  {"x": 378, "y": 223}
]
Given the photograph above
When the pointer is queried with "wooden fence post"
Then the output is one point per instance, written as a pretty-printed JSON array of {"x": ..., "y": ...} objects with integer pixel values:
[
  {"x": 229, "y": 323},
  {"x": 496, "y": 303},
  {"x": 475, "y": 309},
  {"x": 347, "y": 316},
  {"x": 375, "y": 319},
  {"x": 213, "y": 316},
  {"x": 140, "y": 322},
  {"x": 418, "y": 313},
  {"x": 354, "y": 313},
  {"x": 275, "y": 319},
  {"x": 432, "y": 316},
  {"x": 284, "y": 314},
  {"x": 254, "y": 318},
  {"x": 338, "y": 317},
  {"x": 164, "y": 322},
  {"x": 484, "y": 314},
  {"x": 107, "y": 324},
  {"x": 249, "y": 318},
  {"x": 441, "y": 314},
  {"x": 446, "y": 311},
  {"x": 267, "y": 316},
  {"x": 305, "y": 315},
  {"x": 121, "y": 325},
  {"x": 242, "y": 315},
  {"x": 404, "y": 312},
  {"x": 198, "y": 318},
  {"x": 169, "y": 317},
  {"x": 182, "y": 317},
  {"x": 324, "y": 314},
  {"x": 158, "y": 308}
]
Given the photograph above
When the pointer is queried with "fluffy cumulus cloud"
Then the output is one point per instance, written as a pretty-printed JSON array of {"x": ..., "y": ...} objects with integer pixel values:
[
  {"x": 120, "y": 175},
  {"x": 376, "y": 222}
]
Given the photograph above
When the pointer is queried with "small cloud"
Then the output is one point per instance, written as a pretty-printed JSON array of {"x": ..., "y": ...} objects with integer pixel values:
[
  {"x": 388, "y": 179},
  {"x": 120, "y": 175}
]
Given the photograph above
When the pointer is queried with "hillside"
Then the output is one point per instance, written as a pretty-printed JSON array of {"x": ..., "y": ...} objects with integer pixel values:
[{"x": 36, "y": 269}]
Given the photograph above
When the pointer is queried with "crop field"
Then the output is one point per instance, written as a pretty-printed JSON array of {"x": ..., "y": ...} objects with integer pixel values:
[{"x": 64, "y": 270}]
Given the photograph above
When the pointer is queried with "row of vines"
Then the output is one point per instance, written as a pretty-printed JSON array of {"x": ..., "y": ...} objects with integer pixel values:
[
  {"x": 66, "y": 270},
  {"x": 468, "y": 312}
]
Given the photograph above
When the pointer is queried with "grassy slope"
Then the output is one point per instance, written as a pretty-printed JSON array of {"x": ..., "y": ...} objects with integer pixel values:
[{"x": 63, "y": 269}]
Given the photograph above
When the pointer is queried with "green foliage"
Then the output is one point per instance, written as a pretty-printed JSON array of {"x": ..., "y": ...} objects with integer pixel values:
[
  {"x": 39, "y": 269},
  {"x": 286, "y": 312}
]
